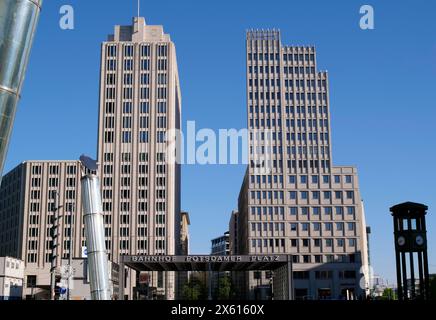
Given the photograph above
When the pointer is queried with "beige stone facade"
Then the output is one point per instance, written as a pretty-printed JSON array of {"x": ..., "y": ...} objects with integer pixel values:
[
  {"x": 140, "y": 101},
  {"x": 293, "y": 200},
  {"x": 27, "y": 205}
]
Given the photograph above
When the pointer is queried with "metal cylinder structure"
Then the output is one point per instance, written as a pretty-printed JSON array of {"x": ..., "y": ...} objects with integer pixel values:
[
  {"x": 18, "y": 20},
  {"x": 95, "y": 245}
]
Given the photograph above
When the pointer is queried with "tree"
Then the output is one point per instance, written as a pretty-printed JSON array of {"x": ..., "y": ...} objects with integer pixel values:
[
  {"x": 224, "y": 288},
  {"x": 194, "y": 290},
  {"x": 388, "y": 294}
]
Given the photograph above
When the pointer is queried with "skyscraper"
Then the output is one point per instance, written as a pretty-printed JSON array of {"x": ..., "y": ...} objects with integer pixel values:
[
  {"x": 139, "y": 102},
  {"x": 293, "y": 200}
]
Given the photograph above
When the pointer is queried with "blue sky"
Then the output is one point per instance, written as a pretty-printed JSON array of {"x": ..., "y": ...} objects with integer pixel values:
[{"x": 382, "y": 86}]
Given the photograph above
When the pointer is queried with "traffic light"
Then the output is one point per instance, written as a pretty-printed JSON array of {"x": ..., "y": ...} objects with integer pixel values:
[{"x": 54, "y": 234}]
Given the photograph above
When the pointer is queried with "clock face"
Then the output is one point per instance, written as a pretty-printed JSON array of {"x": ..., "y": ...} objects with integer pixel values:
[
  {"x": 401, "y": 241},
  {"x": 419, "y": 240}
]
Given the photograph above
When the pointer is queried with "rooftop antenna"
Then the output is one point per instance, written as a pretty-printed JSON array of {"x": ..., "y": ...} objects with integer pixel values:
[{"x": 139, "y": 7}]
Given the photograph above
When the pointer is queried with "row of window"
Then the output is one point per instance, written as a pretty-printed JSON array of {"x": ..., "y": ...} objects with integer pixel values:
[
  {"x": 303, "y": 195},
  {"x": 278, "y": 212},
  {"x": 128, "y": 64},
  {"x": 286, "y": 57},
  {"x": 142, "y": 206},
  {"x": 302, "y": 226},
  {"x": 144, "y": 78},
  {"x": 303, "y": 179},
  {"x": 144, "y": 50},
  {"x": 125, "y": 157},
  {"x": 303, "y": 243},
  {"x": 143, "y": 136},
  {"x": 290, "y": 110},
  {"x": 144, "y": 107},
  {"x": 53, "y": 169},
  {"x": 292, "y": 164},
  {"x": 144, "y": 93}
]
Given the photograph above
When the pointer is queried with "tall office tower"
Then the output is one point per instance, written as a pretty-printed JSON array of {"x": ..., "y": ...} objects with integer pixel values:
[
  {"x": 139, "y": 102},
  {"x": 29, "y": 196},
  {"x": 293, "y": 200}
]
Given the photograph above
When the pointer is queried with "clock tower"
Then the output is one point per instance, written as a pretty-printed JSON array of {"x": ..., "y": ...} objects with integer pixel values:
[{"x": 411, "y": 250}]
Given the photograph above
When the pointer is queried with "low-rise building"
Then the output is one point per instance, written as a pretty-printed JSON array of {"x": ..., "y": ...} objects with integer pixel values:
[{"x": 11, "y": 278}]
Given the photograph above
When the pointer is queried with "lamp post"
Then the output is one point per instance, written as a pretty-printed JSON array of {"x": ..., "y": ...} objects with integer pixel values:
[{"x": 55, "y": 245}]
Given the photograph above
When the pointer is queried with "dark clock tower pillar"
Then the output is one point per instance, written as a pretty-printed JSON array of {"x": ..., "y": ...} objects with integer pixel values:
[{"x": 410, "y": 244}]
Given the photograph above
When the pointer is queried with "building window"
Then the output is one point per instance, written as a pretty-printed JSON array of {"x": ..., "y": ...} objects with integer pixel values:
[
  {"x": 126, "y": 137},
  {"x": 327, "y": 210},
  {"x": 323, "y": 275},
  {"x": 347, "y": 274},
  {"x": 143, "y": 137},
  {"x": 31, "y": 281}
]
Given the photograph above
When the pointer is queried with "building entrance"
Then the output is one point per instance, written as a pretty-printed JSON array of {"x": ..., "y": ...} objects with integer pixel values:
[{"x": 279, "y": 265}]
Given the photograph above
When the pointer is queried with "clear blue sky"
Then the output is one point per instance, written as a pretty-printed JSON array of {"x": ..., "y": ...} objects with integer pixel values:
[{"x": 382, "y": 85}]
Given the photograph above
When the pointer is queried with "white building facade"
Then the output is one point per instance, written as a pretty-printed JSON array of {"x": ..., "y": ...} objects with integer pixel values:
[{"x": 11, "y": 278}]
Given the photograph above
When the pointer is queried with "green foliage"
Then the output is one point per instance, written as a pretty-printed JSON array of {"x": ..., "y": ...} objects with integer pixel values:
[
  {"x": 194, "y": 290},
  {"x": 389, "y": 294},
  {"x": 225, "y": 288}
]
